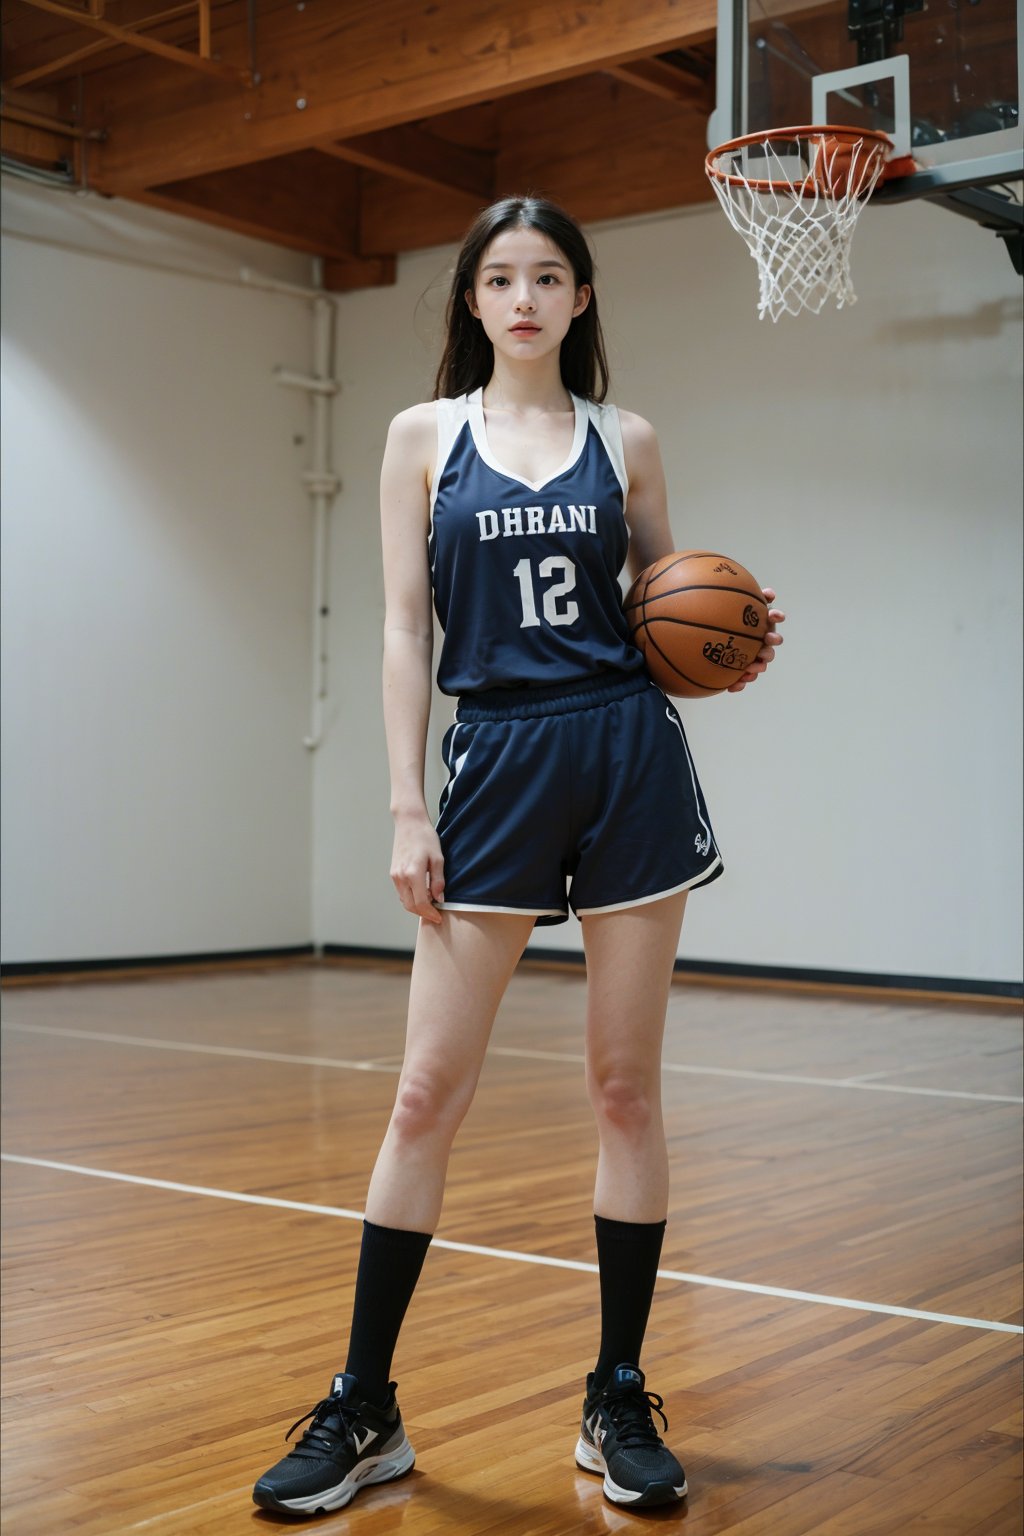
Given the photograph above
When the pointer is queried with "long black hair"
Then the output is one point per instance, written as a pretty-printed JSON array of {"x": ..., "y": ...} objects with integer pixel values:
[{"x": 468, "y": 358}]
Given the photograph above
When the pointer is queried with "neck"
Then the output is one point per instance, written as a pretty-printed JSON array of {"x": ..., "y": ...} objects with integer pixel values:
[{"x": 533, "y": 386}]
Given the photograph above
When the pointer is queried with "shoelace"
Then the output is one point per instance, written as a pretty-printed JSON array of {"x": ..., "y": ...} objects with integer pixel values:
[
  {"x": 630, "y": 1412},
  {"x": 319, "y": 1437}
]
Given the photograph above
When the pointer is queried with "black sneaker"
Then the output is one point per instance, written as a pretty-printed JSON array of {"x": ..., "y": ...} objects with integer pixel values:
[
  {"x": 618, "y": 1438},
  {"x": 349, "y": 1443}
]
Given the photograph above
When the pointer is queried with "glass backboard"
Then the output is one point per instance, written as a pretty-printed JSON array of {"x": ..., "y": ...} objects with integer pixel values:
[{"x": 941, "y": 77}]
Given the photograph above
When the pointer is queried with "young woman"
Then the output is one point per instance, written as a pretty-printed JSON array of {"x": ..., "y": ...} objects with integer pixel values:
[{"x": 504, "y": 505}]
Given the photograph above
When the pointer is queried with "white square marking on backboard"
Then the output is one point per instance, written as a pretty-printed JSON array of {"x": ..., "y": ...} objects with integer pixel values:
[{"x": 897, "y": 69}]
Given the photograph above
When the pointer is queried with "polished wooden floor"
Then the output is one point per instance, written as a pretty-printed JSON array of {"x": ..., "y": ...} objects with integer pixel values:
[{"x": 159, "y": 1338}]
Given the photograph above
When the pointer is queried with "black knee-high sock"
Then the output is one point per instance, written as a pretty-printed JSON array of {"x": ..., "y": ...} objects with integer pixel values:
[
  {"x": 627, "y": 1257},
  {"x": 390, "y": 1261}
]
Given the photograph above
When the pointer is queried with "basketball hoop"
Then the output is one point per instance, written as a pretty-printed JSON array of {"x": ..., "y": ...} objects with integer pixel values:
[{"x": 795, "y": 195}]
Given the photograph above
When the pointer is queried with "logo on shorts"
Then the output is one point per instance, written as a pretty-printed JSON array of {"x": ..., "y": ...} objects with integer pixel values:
[{"x": 702, "y": 844}]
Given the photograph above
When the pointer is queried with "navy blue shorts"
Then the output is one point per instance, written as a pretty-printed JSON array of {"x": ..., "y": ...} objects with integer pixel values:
[{"x": 583, "y": 795}]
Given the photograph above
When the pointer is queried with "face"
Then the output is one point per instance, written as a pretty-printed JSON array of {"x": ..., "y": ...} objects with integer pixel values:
[{"x": 525, "y": 294}]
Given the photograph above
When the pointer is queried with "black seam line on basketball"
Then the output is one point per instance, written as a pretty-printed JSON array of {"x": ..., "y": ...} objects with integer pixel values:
[
  {"x": 642, "y": 602},
  {"x": 671, "y": 664},
  {"x": 715, "y": 629},
  {"x": 694, "y": 554},
  {"x": 704, "y": 586}
]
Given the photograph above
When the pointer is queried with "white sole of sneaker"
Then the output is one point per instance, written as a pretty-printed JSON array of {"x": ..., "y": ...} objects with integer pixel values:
[
  {"x": 589, "y": 1459},
  {"x": 375, "y": 1469}
]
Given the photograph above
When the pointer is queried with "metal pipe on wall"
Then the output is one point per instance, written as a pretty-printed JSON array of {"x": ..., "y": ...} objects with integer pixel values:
[{"x": 322, "y": 485}]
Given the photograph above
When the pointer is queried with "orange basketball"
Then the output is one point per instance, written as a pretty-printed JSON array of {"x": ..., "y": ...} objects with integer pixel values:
[{"x": 699, "y": 619}]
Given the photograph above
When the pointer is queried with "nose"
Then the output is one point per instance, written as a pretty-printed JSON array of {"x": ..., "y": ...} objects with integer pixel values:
[{"x": 524, "y": 297}]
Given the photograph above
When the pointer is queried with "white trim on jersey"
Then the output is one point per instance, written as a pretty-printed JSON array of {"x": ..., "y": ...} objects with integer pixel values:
[
  {"x": 609, "y": 429},
  {"x": 451, "y": 416},
  {"x": 478, "y": 427}
]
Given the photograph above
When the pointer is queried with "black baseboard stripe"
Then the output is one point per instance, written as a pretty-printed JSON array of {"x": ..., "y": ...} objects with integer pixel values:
[
  {"x": 696, "y": 972},
  {"x": 726, "y": 973},
  {"x": 151, "y": 965}
]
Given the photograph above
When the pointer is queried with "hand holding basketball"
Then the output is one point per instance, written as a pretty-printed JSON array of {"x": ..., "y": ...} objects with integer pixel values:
[
  {"x": 702, "y": 623},
  {"x": 772, "y": 641}
]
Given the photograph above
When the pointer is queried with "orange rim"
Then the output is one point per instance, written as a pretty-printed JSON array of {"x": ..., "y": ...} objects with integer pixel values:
[{"x": 879, "y": 146}]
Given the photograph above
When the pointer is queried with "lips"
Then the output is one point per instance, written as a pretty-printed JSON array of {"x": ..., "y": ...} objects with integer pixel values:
[{"x": 525, "y": 330}]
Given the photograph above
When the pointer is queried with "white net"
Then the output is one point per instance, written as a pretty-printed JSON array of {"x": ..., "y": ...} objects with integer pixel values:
[{"x": 795, "y": 196}]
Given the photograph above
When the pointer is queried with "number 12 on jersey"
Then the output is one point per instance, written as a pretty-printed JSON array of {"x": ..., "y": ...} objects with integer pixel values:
[{"x": 554, "y": 565}]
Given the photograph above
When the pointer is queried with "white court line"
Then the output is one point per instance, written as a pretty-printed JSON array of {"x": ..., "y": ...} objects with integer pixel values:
[
  {"x": 503, "y": 1050},
  {"x": 782, "y": 1077},
  {"x": 525, "y": 1258},
  {"x": 206, "y": 1050}
]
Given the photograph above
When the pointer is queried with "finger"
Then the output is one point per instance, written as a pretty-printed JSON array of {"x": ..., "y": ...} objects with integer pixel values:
[
  {"x": 435, "y": 877},
  {"x": 413, "y": 891},
  {"x": 425, "y": 896},
  {"x": 769, "y": 594}
]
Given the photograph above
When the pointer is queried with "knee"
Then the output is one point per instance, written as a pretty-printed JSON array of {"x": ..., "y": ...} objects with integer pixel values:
[
  {"x": 624, "y": 1101},
  {"x": 425, "y": 1104}
]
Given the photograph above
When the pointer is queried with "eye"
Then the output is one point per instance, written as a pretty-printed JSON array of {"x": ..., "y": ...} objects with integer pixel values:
[
  {"x": 497, "y": 281},
  {"x": 549, "y": 279}
]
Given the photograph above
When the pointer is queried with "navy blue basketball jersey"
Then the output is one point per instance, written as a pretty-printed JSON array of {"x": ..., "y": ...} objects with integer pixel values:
[{"x": 525, "y": 576}]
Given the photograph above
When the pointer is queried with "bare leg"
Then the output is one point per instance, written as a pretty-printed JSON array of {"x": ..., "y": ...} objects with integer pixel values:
[
  {"x": 630, "y": 956},
  {"x": 459, "y": 976}
]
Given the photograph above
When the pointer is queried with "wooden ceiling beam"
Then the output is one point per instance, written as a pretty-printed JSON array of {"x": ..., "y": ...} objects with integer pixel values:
[
  {"x": 35, "y": 146},
  {"x": 661, "y": 79},
  {"x": 606, "y": 150},
  {"x": 359, "y": 272},
  {"x": 410, "y": 154},
  {"x": 602, "y": 149},
  {"x": 335, "y": 73},
  {"x": 135, "y": 39},
  {"x": 306, "y": 201},
  {"x": 66, "y": 61}
]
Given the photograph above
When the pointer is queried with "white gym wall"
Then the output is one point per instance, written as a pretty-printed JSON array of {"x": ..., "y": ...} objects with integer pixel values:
[
  {"x": 156, "y": 571},
  {"x": 157, "y": 594}
]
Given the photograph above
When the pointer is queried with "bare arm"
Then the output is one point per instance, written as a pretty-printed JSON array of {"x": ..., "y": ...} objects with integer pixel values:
[
  {"x": 417, "y": 867},
  {"x": 651, "y": 533}
]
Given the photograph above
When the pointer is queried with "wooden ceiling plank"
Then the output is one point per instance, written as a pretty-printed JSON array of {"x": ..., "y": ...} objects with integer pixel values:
[
  {"x": 132, "y": 39},
  {"x": 364, "y": 69},
  {"x": 102, "y": 45},
  {"x": 359, "y": 272},
  {"x": 411, "y": 155},
  {"x": 303, "y": 201},
  {"x": 32, "y": 146},
  {"x": 601, "y": 149},
  {"x": 53, "y": 125},
  {"x": 660, "y": 79}
]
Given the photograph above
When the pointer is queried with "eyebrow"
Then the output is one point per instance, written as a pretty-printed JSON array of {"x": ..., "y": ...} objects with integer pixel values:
[{"x": 498, "y": 265}]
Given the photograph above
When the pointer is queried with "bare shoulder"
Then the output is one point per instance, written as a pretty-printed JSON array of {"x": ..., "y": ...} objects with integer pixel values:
[
  {"x": 639, "y": 444},
  {"x": 636, "y": 429},
  {"x": 415, "y": 425}
]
